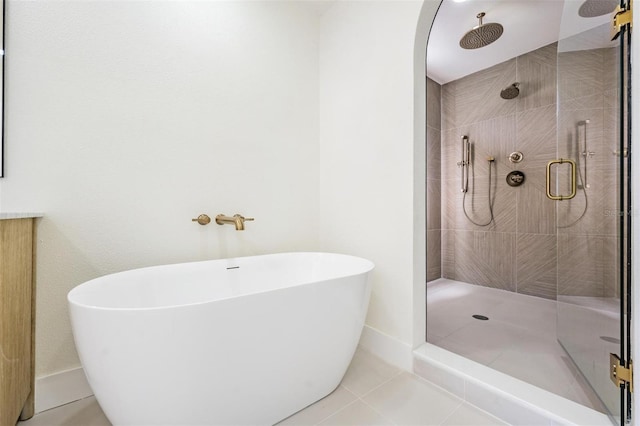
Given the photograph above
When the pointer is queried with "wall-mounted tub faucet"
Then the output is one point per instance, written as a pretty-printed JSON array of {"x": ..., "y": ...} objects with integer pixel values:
[{"x": 236, "y": 219}]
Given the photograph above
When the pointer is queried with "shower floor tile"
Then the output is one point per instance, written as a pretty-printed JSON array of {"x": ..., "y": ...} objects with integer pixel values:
[
  {"x": 519, "y": 338},
  {"x": 371, "y": 393}
]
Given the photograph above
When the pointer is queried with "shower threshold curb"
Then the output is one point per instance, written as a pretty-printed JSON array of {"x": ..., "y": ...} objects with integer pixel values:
[{"x": 511, "y": 400}]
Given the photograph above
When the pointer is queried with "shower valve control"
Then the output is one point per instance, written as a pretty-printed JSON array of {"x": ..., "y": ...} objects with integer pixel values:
[
  {"x": 515, "y": 178},
  {"x": 516, "y": 157},
  {"x": 203, "y": 219}
]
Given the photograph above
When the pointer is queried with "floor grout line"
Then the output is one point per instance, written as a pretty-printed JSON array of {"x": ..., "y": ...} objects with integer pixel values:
[
  {"x": 452, "y": 412},
  {"x": 378, "y": 412},
  {"x": 337, "y": 411},
  {"x": 397, "y": 374}
]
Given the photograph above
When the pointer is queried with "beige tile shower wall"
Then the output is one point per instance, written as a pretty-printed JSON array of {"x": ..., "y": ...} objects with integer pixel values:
[
  {"x": 516, "y": 252},
  {"x": 520, "y": 250},
  {"x": 434, "y": 182}
]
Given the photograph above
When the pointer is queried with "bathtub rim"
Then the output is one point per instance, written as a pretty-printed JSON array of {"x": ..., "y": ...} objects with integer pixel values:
[{"x": 82, "y": 286}]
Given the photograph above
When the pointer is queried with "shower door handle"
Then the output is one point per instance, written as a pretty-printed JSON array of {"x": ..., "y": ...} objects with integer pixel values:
[{"x": 572, "y": 177}]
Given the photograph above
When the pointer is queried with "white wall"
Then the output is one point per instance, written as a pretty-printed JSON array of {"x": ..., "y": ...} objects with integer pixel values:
[
  {"x": 368, "y": 206},
  {"x": 127, "y": 119}
]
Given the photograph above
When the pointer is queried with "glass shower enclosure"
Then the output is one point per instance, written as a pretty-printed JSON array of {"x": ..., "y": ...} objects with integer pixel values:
[{"x": 589, "y": 181}]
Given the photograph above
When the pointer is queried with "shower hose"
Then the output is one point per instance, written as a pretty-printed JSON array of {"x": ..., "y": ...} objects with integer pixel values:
[{"x": 489, "y": 199}]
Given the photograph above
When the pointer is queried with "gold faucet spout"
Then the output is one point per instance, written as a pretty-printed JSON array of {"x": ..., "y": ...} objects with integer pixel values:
[{"x": 237, "y": 220}]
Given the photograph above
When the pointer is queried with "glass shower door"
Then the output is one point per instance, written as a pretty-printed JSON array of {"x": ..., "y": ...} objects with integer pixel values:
[{"x": 589, "y": 185}]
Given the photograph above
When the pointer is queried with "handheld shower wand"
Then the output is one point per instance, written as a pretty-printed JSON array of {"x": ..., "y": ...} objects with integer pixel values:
[{"x": 464, "y": 164}]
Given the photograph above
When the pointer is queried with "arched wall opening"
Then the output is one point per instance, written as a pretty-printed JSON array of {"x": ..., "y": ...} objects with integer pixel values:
[{"x": 426, "y": 19}]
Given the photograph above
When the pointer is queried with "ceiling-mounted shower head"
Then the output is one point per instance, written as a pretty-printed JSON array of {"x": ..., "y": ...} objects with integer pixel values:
[
  {"x": 482, "y": 35},
  {"x": 593, "y": 8},
  {"x": 510, "y": 92}
]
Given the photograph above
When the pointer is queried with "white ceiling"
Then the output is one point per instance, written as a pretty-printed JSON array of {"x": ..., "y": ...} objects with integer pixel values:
[{"x": 528, "y": 25}]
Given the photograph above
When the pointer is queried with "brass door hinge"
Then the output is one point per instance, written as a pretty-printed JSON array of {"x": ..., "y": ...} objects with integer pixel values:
[
  {"x": 620, "y": 373},
  {"x": 621, "y": 17}
]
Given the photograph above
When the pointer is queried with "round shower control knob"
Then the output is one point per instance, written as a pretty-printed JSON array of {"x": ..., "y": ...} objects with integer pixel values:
[{"x": 203, "y": 219}]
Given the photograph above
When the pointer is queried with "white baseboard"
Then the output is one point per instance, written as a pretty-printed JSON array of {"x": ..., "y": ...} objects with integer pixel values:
[
  {"x": 390, "y": 349},
  {"x": 61, "y": 388}
]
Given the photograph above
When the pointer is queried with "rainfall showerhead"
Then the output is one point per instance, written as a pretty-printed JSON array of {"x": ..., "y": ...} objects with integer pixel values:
[
  {"x": 510, "y": 92},
  {"x": 481, "y": 35},
  {"x": 593, "y": 8}
]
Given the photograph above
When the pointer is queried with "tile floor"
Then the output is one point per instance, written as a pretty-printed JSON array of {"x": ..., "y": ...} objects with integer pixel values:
[
  {"x": 519, "y": 338},
  {"x": 371, "y": 393}
]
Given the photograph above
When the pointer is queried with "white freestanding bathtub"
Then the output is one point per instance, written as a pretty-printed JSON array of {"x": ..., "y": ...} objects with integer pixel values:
[{"x": 243, "y": 341}]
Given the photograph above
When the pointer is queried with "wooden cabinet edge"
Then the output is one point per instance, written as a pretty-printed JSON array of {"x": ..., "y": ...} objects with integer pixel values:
[{"x": 29, "y": 407}]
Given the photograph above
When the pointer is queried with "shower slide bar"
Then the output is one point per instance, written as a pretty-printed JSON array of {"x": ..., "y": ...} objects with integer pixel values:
[
  {"x": 586, "y": 153},
  {"x": 464, "y": 164}
]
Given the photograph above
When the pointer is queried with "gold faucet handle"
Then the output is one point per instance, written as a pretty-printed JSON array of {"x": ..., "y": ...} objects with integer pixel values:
[
  {"x": 203, "y": 219},
  {"x": 242, "y": 218}
]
